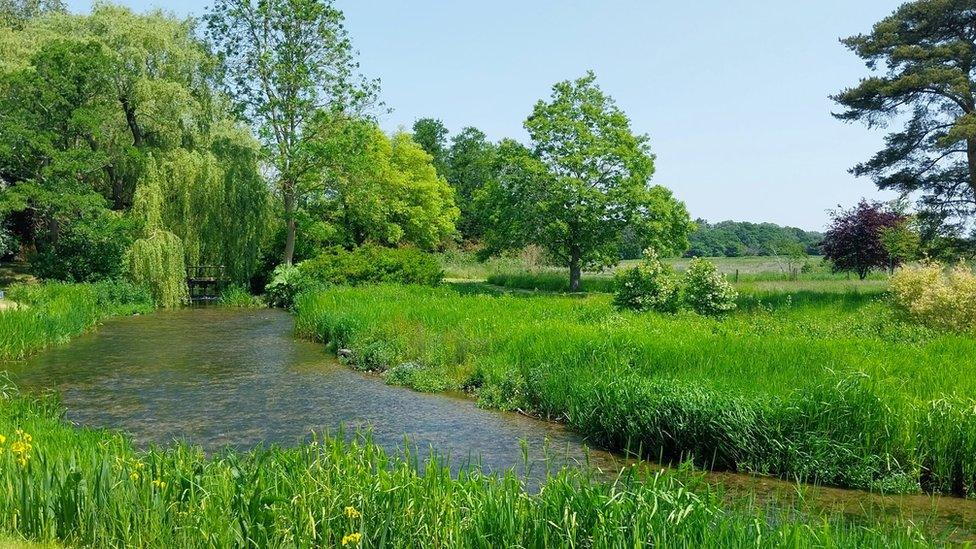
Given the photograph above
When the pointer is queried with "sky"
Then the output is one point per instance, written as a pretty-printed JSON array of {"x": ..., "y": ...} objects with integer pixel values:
[{"x": 735, "y": 95}]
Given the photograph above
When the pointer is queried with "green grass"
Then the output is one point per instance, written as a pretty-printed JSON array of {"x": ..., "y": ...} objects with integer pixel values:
[
  {"x": 81, "y": 487},
  {"x": 52, "y": 313},
  {"x": 823, "y": 387}
]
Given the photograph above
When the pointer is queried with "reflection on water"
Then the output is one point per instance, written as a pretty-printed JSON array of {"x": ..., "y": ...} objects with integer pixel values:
[{"x": 231, "y": 377}]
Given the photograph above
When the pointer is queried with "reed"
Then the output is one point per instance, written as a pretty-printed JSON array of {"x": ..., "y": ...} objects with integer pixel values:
[{"x": 832, "y": 389}]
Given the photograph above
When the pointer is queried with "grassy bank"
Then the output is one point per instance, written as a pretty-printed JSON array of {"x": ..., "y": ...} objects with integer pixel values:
[
  {"x": 84, "y": 487},
  {"x": 830, "y": 388},
  {"x": 52, "y": 313}
]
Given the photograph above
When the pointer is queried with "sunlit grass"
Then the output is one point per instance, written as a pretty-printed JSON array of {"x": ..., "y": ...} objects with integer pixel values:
[{"x": 823, "y": 387}]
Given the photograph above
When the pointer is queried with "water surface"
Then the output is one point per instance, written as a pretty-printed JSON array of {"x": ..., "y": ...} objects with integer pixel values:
[{"x": 237, "y": 378}]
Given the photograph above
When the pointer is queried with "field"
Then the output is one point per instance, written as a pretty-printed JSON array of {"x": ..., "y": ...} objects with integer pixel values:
[{"x": 820, "y": 386}]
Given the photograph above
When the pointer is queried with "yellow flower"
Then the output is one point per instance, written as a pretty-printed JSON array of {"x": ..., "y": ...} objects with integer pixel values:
[
  {"x": 19, "y": 447},
  {"x": 352, "y": 513},
  {"x": 22, "y": 462},
  {"x": 351, "y": 538},
  {"x": 3, "y": 439},
  {"x": 159, "y": 483},
  {"x": 134, "y": 476}
]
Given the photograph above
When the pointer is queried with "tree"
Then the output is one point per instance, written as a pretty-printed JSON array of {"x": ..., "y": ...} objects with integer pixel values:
[
  {"x": 923, "y": 56},
  {"x": 284, "y": 61},
  {"x": 854, "y": 240},
  {"x": 584, "y": 180},
  {"x": 431, "y": 135},
  {"x": 472, "y": 164},
  {"x": 902, "y": 242},
  {"x": 16, "y": 13},
  {"x": 376, "y": 188}
]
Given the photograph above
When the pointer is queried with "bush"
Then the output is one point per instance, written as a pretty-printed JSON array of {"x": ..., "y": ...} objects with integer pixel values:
[
  {"x": 86, "y": 250},
  {"x": 937, "y": 297},
  {"x": 373, "y": 264},
  {"x": 651, "y": 285},
  {"x": 707, "y": 291},
  {"x": 287, "y": 281}
]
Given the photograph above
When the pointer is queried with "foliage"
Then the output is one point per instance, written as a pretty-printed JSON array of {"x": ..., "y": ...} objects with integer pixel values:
[
  {"x": 97, "y": 106},
  {"x": 286, "y": 282},
  {"x": 706, "y": 291},
  {"x": 584, "y": 180},
  {"x": 238, "y": 296},
  {"x": 16, "y": 13},
  {"x": 942, "y": 298},
  {"x": 377, "y": 188},
  {"x": 347, "y": 489},
  {"x": 920, "y": 57},
  {"x": 902, "y": 242},
  {"x": 431, "y": 135},
  {"x": 89, "y": 248},
  {"x": 651, "y": 285},
  {"x": 373, "y": 264},
  {"x": 850, "y": 395},
  {"x": 52, "y": 312},
  {"x": 741, "y": 238},
  {"x": 157, "y": 263},
  {"x": 853, "y": 241},
  {"x": 285, "y": 61},
  {"x": 549, "y": 281}
]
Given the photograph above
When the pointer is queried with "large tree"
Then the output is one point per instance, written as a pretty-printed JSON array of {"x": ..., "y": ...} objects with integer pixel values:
[
  {"x": 284, "y": 61},
  {"x": 923, "y": 58},
  {"x": 431, "y": 135},
  {"x": 472, "y": 164},
  {"x": 585, "y": 178}
]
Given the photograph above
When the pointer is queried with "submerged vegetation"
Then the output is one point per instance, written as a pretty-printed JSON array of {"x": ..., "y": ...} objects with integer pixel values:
[{"x": 827, "y": 388}]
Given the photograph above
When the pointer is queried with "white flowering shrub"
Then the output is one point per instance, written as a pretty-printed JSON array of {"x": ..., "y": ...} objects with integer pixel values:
[
  {"x": 937, "y": 297},
  {"x": 651, "y": 285},
  {"x": 707, "y": 291}
]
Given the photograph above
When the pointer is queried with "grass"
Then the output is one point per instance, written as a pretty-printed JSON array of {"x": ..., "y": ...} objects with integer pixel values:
[
  {"x": 52, "y": 313},
  {"x": 77, "y": 487},
  {"x": 823, "y": 387}
]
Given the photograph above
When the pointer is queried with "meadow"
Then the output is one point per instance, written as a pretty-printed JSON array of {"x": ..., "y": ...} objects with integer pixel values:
[{"x": 822, "y": 387}]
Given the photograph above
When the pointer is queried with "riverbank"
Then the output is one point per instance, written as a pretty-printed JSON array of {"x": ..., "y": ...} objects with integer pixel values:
[
  {"x": 53, "y": 313},
  {"x": 84, "y": 487},
  {"x": 825, "y": 389}
]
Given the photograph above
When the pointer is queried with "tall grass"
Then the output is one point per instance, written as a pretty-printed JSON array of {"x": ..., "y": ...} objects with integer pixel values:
[
  {"x": 836, "y": 391},
  {"x": 91, "y": 488},
  {"x": 549, "y": 281},
  {"x": 52, "y": 313}
]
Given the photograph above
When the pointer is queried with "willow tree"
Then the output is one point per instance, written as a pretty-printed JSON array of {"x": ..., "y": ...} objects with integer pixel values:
[
  {"x": 286, "y": 60},
  {"x": 156, "y": 260}
]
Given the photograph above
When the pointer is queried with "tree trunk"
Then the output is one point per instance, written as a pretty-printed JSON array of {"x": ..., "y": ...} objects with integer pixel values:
[
  {"x": 574, "y": 271},
  {"x": 289, "y": 199},
  {"x": 971, "y": 161},
  {"x": 130, "y": 119}
]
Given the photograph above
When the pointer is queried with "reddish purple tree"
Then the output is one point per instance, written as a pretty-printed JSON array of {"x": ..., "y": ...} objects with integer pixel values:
[{"x": 853, "y": 241}]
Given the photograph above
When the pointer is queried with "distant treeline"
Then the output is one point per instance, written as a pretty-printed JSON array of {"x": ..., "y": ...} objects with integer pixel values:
[{"x": 740, "y": 238}]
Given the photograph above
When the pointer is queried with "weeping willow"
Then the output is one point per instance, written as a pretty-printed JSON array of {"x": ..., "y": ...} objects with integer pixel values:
[
  {"x": 156, "y": 262},
  {"x": 214, "y": 200}
]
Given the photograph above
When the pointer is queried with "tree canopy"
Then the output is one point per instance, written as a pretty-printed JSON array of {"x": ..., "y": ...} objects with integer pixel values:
[
  {"x": 922, "y": 59},
  {"x": 740, "y": 238},
  {"x": 584, "y": 179}
]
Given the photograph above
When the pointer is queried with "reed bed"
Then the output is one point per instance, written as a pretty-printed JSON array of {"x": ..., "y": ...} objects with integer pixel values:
[
  {"x": 52, "y": 313},
  {"x": 827, "y": 388},
  {"x": 82, "y": 487}
]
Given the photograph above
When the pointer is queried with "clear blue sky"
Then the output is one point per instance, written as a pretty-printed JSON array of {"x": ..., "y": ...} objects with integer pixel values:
[{"x": 733, "y": 94}]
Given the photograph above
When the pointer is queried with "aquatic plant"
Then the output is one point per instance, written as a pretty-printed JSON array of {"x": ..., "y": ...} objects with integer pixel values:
[
  {"x": 82, "y": 487},
  {"x": 831, "y": 388}
]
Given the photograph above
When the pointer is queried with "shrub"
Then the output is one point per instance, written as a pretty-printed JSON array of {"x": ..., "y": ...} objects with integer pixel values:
[
  {"x": 373, "y": 264},
  {"x": 287, "y": 281},
  {"x": 937, "y": 297},
  {"x": 86, "y": 249},
  {"x": 706, "y": 290},
  {"x": 651, "y": 285}
]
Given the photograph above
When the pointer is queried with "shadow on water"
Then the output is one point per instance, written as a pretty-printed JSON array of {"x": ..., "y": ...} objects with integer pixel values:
[{"x": 238, "y": 378}]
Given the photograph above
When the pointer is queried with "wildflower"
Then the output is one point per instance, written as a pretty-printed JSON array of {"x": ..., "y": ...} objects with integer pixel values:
[
  {"x": 22, "y": 461},
  {"x": 159, "y": 483},
  {"x": 3, "y": 439},
  {"x": 351, "y": 538},
  {"x": 352, "y": 513},
  {"x": 134, "y": 476}
]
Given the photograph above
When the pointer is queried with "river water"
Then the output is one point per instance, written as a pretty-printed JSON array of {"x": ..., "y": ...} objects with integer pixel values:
[
  {"x": 237, "y": 378},
  {"x": 221, "y": 377}
]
